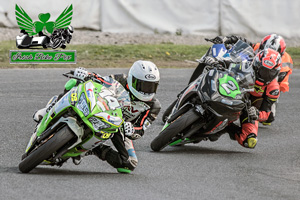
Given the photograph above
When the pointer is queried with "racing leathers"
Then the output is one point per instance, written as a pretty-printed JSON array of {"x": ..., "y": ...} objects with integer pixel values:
[
  {"x": 283, "y": 79},
  {"x": 262, "y": 98},
  {"x": 140, "y": 115}
]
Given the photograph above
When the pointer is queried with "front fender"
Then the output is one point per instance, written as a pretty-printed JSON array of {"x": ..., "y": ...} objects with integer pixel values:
[{"x": 72, "y": 123}]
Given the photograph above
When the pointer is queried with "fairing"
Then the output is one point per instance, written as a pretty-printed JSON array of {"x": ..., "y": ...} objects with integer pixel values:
[{"x": 98, "y": 105}]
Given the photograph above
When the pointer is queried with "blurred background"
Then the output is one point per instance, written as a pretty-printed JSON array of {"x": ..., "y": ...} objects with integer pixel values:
[
  {"x": 250, "y": 18},
  {"x": 169, "y": 32}
]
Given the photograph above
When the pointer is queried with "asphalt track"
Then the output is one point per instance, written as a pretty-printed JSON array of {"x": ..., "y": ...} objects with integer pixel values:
[{"x": 208, "y": 170}]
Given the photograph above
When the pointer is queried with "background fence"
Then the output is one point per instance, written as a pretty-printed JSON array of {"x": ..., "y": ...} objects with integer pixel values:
[{"x": 250, "y": 18}]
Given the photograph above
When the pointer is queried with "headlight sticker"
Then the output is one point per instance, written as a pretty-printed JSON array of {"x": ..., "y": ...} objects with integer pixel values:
[
  {"x": 82, "y": 105},
  {"x": 98, "y": 124},
  {"x": 112, "y": 119}
]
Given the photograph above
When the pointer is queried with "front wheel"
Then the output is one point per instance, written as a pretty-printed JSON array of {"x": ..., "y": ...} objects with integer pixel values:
[
  {"x": 168, "y": 111},
  {"x": 46, "y": 150},
  {"x": 177, "y": 126}
]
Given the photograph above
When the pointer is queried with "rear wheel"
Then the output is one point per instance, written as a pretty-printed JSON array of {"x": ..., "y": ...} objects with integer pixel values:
[
  {"x": 56, "y": 142},
  {"x": 177, "y": 126}
]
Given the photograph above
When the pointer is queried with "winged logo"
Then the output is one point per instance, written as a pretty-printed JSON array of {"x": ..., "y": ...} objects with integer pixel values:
[{"x": 33, "y": 28}]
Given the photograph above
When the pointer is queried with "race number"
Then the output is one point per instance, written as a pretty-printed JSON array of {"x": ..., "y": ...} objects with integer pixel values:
[
  {"x": 111, "y": 101},
  {"x": 229, "y": 87}
]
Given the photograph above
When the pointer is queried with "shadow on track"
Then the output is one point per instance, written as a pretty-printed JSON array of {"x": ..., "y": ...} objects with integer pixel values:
[
  {"x": 187, "y": 149},
  {"x": 47, "y": 170}
]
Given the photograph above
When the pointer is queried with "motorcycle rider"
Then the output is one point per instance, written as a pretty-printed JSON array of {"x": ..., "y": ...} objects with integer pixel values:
[
  {"x": 277, "y": 43},
  {"x": 267, "y": 65},
  {"x": 205, "y": 63},
  {"x": 141, "y": 83},
  {"x": 266, "y": 92},
  {"x": 66, "y": 35}
]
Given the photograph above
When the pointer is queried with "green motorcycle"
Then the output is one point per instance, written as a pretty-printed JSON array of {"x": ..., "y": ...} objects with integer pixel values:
[{"x": 85, "y": 117}]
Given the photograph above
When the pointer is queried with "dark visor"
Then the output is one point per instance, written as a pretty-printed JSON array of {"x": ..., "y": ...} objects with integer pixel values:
[
  {"x": 266, "y": 75},
  {"x": 144, "y": 86}
]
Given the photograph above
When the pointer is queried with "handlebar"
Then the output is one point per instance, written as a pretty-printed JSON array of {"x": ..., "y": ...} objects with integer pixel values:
[
  {"x": 216, "y": 40},
  {"x": 91, "y": 76}
]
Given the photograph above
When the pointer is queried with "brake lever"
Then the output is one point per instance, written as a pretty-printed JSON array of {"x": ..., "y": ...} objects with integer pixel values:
[
  {"x": 71, "y": 72},
  {"x": 216, "y": 40},
  {"x": 209, "y": 40}
]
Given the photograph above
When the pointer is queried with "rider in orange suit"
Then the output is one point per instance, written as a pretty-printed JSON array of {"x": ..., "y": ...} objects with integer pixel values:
[
  {"x": 277, "y": 43},
  {"x": 267, "y": 65}
]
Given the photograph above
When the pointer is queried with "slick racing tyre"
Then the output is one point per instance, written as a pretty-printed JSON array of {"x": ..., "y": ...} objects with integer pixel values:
[
  {"x": 177, "y": 126},
  {"x": 46, "y": 150}
]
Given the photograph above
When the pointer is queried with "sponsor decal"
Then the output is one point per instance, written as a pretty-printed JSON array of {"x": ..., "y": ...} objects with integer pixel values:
[
  {"x": 89, "y": 92},
  {"x": 74, "y": 97},
  {"x": 268, "y": 63},
  {"x": 274, "y": 92},
  {"x": 258, "y": 89},
  {"x": 150, "y": 76},
  {"x": 114, "y": 120}
]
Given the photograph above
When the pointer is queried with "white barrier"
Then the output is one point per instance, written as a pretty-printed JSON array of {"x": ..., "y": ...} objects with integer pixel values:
[
  {"x": 250, "y": 18},
  {"x": 161, "y": 16},
  {"x": 257, "y": 18}
]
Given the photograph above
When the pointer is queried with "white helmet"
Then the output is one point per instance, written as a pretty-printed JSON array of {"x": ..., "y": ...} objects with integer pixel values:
[
  {"x": 143, "y": 78},
  {"x": 70, "y": 29}
]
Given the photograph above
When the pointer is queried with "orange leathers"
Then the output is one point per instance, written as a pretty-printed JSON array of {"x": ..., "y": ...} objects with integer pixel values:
[{"x": 286, "y": 69}]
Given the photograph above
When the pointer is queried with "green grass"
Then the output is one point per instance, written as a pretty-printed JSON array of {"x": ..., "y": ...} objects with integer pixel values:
[
  {"x": 295, "y": 54},
  {"x": 94, "y": 56}
]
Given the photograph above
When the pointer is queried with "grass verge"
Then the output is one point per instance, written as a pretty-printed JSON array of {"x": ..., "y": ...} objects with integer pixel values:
[{"x": 102, "y": 56}]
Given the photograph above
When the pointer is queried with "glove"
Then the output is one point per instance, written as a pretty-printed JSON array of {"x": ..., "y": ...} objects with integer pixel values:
[
  {"x": 210, "y": 61},
  {"x": 253, "y": 113},
  {"x": 130, "y": 132},
  {"x": 231, "y": 39},
  {"x": 80, "y": 73},
  {"x": 135, "y": 136},
  {"x": 217, "y": 40},
  {"x": 128, "y": 129}
]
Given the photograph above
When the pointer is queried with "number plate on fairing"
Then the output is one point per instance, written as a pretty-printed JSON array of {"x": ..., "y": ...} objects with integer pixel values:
[{"x": 228, "y": 86}]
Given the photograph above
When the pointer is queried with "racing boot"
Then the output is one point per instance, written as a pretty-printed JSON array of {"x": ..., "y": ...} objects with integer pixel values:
[
  {"x": 269, "y": 120},
  {"x": 38, "y": 115},
  {"x": 122, "y": 164},
  {"x": 247, "y": 140},
  {"x": 250, "y": 141},
  {"x": 271, "y": 117},
  {"x": 266, "y": 123}
]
